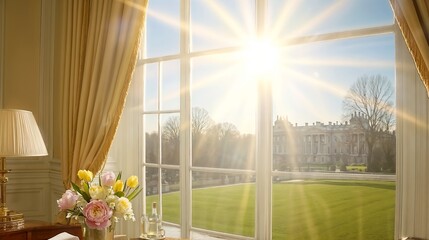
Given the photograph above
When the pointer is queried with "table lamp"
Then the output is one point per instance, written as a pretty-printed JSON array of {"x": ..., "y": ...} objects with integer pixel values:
[{"x": 19, "y": 137}]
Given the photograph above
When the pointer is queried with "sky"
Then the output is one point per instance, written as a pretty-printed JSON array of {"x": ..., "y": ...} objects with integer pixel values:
[{"x": 310, "y": 80}]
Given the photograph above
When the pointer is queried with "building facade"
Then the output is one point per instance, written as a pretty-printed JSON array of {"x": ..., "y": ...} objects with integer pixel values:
[{"x": 329, "y": 144}]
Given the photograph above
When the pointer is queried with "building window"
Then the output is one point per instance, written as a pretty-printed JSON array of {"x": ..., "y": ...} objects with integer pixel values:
[{"x": 207, "y": 131}]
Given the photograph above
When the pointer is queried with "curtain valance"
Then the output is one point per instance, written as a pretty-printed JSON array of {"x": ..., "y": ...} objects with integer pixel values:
[{"x": 413, "y": 20}]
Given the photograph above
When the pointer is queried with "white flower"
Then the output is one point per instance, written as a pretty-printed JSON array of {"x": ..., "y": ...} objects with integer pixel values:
[
  {"x": 111, "y": 201},
  {"x": 81, "y": 202},
  {"x": 97, "y": 192},
  {"x": 124, "y": 207}
]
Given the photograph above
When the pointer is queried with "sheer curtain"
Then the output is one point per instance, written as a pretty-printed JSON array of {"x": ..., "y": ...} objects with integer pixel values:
[
  {"x": 412, "y": 110},
  {"x": 413, "y": 20},
  {"x": 99, "y": 52}
]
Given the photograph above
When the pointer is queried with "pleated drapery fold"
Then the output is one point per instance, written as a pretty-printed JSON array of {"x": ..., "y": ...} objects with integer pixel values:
[{"x": 98, "y": 57}]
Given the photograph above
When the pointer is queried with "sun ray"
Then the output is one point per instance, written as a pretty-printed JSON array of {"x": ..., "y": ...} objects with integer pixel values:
[
  {"x": 197, "y": 29},
  {"x": 345, "y": 62},
  {"x": 287, "y": 9},
  {"x": 227, "y": 18},
  {"x": 323, "y": 15},
  {"x": 240, "y": 30},
  {"x": 283, "y": 19},
  {"x": 165, "y": 18}
]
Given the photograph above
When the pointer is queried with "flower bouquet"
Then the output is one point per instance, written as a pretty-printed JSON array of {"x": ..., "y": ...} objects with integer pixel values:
[{"x": 99, "y": 205}]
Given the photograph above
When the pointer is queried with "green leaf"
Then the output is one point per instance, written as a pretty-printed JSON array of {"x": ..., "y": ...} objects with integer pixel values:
[
  {"x": 76, "y": 188},
  {"x": 119, "y": 176},
  {"x": 84, "y": 194},
  {"x": 125, "y": 185},
  {"x": 134, "y": 193},
  {"x": 119, "y": 194}
]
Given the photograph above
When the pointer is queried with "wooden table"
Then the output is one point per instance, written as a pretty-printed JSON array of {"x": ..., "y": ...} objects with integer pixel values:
[
  {"x": 39, "y": 230},
  {"x": 167, "y": 238}
]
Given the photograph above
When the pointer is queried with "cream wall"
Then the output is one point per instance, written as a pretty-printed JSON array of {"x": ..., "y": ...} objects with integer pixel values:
[
  {"x": 30, "y": 44},
  {"x": 21, "y": 55},
  {"x": 26, "y": 82}
]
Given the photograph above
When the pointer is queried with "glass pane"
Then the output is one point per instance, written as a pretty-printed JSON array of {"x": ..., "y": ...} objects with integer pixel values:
[
  {"x": 294, "y": 18},
  {"x": 162, "y": 28},
  {"x": 315, "y": 78},
  {"x": 171, "y": 195},
  {"x": 152, "y": 187},
  {"x": 317, "y": 138},
  {"x": 151, "y": 87},
  {"x": 170, "y": 85},
  {"x": 223, "y": 202},
  {"x": 221, "y": 23},
  {"x": 151, "y": 138},
  {"x": 170, "y": 139},
  {"x": 169, "y": 212},
  {"x": 223, "y": 113}
]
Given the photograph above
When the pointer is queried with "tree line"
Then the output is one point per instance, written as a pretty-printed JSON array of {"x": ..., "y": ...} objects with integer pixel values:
[{"x": 221, "y": 145}]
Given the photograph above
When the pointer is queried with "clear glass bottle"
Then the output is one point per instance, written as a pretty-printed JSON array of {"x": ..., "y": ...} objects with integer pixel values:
[
  {"x": 144, "y": 226},
  {"x": 154, "y": 223}
]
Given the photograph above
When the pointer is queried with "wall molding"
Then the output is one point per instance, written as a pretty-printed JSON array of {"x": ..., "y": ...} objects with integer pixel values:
[
  {"x": 56, "y": 188},
  {"x": 19, "y": 194},
  {"x": 47, "y": 39}
]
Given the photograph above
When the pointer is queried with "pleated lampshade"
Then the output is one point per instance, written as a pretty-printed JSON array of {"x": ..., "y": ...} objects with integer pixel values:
[{"x": 19, "y": 134}]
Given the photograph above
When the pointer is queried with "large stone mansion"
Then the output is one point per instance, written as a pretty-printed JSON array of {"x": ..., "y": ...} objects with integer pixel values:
[{"x": 318, "y": 143}]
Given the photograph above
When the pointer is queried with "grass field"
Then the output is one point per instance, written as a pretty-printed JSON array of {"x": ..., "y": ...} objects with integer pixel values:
[{"x": 316, "y": 209}]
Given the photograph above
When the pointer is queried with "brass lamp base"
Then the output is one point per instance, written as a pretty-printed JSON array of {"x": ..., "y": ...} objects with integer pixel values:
[{"x": 10, "y": 220}]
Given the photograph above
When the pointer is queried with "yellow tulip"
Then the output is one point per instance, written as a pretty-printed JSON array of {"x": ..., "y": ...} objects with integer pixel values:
[
  {"x": 132, "y": 181},
  {"x": 118, "y": 186},
  {"x": 85, "y": 175}
]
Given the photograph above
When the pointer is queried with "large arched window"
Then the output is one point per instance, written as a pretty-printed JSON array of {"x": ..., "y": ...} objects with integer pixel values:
[{"x": 250, "y": 129}]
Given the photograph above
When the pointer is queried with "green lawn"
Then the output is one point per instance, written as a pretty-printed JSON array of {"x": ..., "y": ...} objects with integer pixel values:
[{"x": 316, "y": 209}]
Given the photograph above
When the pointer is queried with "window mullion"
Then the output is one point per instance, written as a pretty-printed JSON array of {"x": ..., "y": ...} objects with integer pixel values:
[
  {"x": 185, "y": 126},
  {"x": 264, "y": 161},
  {"x": 263, "y": 222}
]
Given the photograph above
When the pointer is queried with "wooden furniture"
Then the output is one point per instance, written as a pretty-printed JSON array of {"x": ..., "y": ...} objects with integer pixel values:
[
  {"x": 39, "y": 230},
  {"x": 167, "y": 238}
]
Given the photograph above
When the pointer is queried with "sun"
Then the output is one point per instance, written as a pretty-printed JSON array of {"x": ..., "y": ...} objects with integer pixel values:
[{"x": 261, "y": 58}]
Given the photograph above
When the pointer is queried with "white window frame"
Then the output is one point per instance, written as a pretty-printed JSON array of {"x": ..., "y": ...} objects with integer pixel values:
[{"x": 264, "y": 134}]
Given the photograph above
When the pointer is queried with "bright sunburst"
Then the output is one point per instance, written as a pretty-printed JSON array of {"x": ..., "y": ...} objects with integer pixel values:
[
  {"x": 312, "y": 76},
  {"x": 260, "y": 58}
]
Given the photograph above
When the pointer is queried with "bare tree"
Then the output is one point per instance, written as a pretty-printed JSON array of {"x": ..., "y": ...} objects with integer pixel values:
[
  {"x": 371, "y": 97},
  {"x": 171, "y": 129},
  {"x": 224, "y": 130},
  {"x": 201, "y": 121}
]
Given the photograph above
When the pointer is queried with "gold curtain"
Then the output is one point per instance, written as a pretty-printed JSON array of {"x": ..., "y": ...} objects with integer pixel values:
[
  {"x": 413, "y": 20},
  {"x": 99, "y": 51}
]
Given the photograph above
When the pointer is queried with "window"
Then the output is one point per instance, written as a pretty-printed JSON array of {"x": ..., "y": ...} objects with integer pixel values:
[{"x": 210, "y": 156}]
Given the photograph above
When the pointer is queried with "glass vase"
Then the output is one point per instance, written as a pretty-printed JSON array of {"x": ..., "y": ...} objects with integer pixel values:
[{"x": 98, "y": 234}]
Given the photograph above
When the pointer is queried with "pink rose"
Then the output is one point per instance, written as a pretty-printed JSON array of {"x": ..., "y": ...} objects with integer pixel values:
[
  {"x": 68, "y": 200},
  {"x": 97, "y": 214},
  {"x": 108, "y": 179}
]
